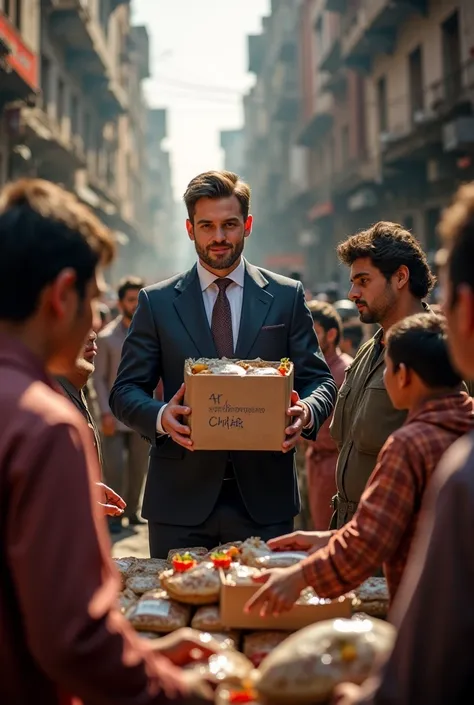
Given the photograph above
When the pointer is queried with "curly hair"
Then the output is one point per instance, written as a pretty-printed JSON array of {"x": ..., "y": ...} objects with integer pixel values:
[{"x": 389, "y": 246}]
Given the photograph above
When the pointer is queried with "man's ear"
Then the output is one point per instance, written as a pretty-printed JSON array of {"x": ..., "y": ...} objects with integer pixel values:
[
  {"x": 331, "y": 336},
  {"x": 403, "y": 376},
  {"x": 248, "y": 225},
  {"x": 190, "y": 229},
  {"x": 401, "y": 276}
]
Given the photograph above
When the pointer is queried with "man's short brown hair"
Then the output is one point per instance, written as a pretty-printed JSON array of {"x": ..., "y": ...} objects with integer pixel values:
[
  {"x": 214, "y": 185},
  {"x": 326, "y": 316},
  {"x": 129, "y": 283},
  {"x": 389, "y": 246},
  {"x": 457, "y": 231},
  {"x": 43, "y": 230}
]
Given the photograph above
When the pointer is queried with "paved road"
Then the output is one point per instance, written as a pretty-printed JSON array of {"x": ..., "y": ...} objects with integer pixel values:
[{"x": 131, "y": 542}]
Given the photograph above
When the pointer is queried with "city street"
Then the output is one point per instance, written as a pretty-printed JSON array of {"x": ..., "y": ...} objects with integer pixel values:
[{"x": 131, "y": 542}]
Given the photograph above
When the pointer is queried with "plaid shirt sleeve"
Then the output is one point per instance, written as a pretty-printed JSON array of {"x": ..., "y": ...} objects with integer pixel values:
[{"x": 356, "y": 550}]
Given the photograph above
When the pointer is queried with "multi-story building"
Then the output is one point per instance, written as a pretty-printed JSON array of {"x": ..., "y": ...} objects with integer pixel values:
[
  {"x": 385, "y": 123},
  {"x": 233, "y": 146},
  {"x": 75, "y": 114},
  {"x": 19, "y": 75},
  {"x": 161, "y": 204},
  {"x": 271, "y": 111}
]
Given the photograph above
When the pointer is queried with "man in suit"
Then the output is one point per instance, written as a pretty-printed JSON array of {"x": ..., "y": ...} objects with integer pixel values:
[{"x": 222, "y": 307}]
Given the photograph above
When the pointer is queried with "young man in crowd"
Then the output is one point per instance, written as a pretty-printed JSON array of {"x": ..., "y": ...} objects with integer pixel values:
[
  {"x": 73, "y": 386},
  {"x": 321, "y": 455},
  {"x": 63, "y": 639},
  {"x": 419, "y": 378},
  {"x": 125, "y": 452},
  {"x": 390, "y": 278},
  {"x": 431, "y": 663}
]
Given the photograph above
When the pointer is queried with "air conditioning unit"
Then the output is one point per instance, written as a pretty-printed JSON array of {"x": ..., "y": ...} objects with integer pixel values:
[{"x": 420, "y": 117}]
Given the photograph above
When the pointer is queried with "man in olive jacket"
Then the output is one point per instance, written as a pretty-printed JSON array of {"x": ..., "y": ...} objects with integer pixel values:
[{"x": 390, "y": 277}]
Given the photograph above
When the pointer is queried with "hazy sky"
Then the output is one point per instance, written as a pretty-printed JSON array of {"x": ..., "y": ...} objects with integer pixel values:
[{"x": 199, "y": 71}]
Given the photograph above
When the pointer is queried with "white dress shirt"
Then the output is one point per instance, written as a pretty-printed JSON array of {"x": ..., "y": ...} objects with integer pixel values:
[{"x": 235, "y": 295}]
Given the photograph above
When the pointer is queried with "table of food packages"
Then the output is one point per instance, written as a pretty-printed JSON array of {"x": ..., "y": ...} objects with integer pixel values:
[{"x": 275, "y": 666}]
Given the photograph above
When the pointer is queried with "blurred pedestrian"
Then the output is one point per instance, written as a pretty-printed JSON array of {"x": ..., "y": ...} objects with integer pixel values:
[
  {"x": 73, "y": 385},
  {"x": 431, "y": 663},
  {"x": 390, "y": 278},
  {"x": 352, "y": 337},
  {"x": 63, "y": 638},
  {"x": 222, "y": 307},
  {"x": 125, "y": 451},
  {"x": 321, "y": 455}
]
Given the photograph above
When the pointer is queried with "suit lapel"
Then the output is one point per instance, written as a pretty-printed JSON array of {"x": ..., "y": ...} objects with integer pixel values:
[
  {"x": 255, "y": 307},
  {"x": 189, "y": 306}
]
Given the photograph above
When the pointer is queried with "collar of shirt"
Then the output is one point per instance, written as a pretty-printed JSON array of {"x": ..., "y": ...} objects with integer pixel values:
[
  {"x": 70, "y": 389},
  {"x": 206, "y": 278}
]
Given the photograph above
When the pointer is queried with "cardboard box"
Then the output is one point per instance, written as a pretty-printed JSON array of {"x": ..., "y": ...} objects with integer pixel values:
[
  {"x": 238, "y": 413},
  {"x": 235, "y": 597}
]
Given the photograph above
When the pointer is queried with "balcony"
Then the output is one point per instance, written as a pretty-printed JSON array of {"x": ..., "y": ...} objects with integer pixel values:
[
  {"x": 256, "y": 52},
  {"x": 355, "y": 174},
  {"x": 320, "y": 123},
  {"x": 334, "y": 83},
  {"x": 419, "y": 135},
  {"x": 109, "y": 96},
  {"x": 339, "y": 6},
  {"x": 330, "y": 60},
  {"x": 285, "y": 95},
  {"x": 284, "y": 33},
  {"x": 57, "y": 152},
  {"x": 72, "y": 25},
  {"x": 372, "y": 29}
]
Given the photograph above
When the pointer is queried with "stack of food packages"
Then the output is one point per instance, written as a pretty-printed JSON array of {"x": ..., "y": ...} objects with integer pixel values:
[{"x": 271, "y": 667}]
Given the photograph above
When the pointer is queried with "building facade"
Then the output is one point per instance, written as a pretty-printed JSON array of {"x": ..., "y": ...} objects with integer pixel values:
[
  {"x": 73, "y": 111},
  {"x": 384, "y": 127}
]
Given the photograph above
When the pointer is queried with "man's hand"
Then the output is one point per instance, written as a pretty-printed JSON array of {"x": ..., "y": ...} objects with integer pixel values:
[
  {"x": 108, "y": 424},
  {"x": 301, "y": 416},
  {"x": 186, "y": 646},
  {"x": 171, "y": 420},
  {"x": 346, "y": 694},
  {"x": 300, "y": 541},
  {"x": 112, "y": 503},
  {"x": 281, "y": 589}
]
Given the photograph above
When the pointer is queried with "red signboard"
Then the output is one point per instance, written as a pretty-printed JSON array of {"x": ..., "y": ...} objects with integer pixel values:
[{"x": 21, "y": 59}]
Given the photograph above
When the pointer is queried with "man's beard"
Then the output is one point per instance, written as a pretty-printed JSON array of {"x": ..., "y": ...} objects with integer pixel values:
[
  {"x": 378, "y": 312},
  {"x": 222, "y": 262}
]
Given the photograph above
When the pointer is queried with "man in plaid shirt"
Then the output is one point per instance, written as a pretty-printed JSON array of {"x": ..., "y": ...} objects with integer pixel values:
[{"x": 419, "y": 377}]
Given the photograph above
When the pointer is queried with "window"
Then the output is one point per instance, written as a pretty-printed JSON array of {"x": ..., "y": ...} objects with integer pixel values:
[
  {"x": 46, "y": 81},
  {"x": 60, "y": 102},
  {"x": 74, "y": 115},
  {"x": 18, "y": 14},
  {"x": 415, "y": 68},
  {"x": 451, "y": 48},
  {"x": 345, "y": 144},
  {"x": 382, "y": 104}
]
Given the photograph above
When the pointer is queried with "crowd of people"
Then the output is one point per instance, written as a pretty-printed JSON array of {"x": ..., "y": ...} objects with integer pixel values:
[{"x": 88, "y": 400}]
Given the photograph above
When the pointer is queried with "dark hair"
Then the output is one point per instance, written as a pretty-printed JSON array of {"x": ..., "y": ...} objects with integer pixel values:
[
  {"x": 327, "y": 317},
  {"x": 389, "y": 246},
  {"x": 43, "y": 230},
  {"x": 217, "y": 184},
  {"x": 457, "y": 230},
  {"x": 129, "y": 283},
  {"x": 420, "y": 342},
  {"x": 354, "y": 333}
]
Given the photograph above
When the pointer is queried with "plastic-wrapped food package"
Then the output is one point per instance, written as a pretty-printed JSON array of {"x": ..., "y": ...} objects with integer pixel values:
[{"x": 155, "y": 612}]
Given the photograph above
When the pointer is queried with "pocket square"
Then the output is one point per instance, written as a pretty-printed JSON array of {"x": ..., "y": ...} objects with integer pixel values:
[{"x": 275, "y": 327}]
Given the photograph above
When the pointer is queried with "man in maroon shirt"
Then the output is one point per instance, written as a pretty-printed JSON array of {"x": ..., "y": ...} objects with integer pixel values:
[{"x": 62, "y": 638}]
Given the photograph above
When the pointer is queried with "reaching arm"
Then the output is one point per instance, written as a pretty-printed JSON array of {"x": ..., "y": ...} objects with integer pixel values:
[
  {"x": 313, "y": 380},
  {"x": 131, "y": 398},
  {"x": 355, "y": 552}
]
